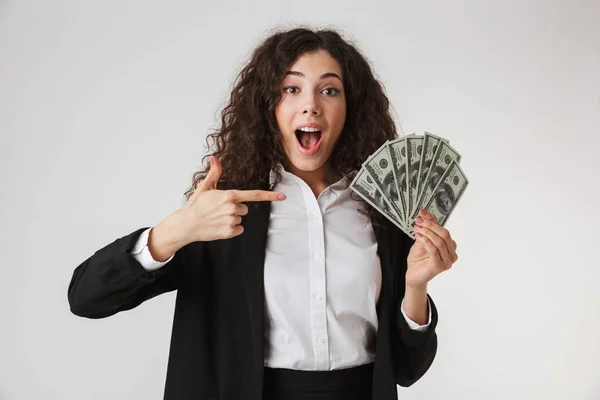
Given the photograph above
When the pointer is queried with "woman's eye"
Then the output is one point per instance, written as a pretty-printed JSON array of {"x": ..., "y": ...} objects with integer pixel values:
[{"x": 331, "y": 91}]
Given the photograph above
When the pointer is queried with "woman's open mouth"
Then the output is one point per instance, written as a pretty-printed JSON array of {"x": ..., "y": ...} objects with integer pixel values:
[{"x": 308, "y": 142}]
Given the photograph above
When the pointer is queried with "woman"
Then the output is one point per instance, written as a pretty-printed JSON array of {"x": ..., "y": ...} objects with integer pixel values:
[{"x": 305, "y": 292}]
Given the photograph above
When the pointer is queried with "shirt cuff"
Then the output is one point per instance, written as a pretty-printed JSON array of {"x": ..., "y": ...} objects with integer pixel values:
[
  {"x": 412, "y": 324},
  {"x": 141, "y": 253}
]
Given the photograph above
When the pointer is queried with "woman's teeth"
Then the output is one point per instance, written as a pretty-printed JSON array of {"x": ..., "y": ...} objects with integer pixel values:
[{"x": 305, "y": 129}]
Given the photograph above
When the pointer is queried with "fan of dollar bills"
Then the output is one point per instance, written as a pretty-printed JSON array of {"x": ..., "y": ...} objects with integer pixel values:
[{"x": 410, "y": 173}]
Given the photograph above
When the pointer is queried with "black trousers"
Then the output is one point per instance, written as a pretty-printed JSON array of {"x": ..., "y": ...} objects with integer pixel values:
[{"x": 344, "y": 384}]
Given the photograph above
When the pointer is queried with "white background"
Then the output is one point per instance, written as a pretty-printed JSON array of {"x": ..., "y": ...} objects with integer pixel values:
[{"x": 104, "y": 107}]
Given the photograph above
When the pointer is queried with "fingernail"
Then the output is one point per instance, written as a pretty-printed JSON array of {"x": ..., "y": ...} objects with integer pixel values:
[
  {"x": 281, "y": 196},
  {"x": 418, "y": 235},
  {"x": 419, "y": 220},
  {"x": 211, "y": 161}
]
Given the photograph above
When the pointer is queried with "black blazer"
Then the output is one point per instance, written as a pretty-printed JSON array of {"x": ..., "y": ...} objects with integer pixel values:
[{"x": 217, "y": 341}]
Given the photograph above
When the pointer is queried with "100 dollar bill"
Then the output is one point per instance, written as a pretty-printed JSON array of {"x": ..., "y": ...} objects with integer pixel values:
[
  {"x": 364, "y": 185},
  {"x": 447, "y": 192},
  {"x": 380, "y": 168},
  {"x": 431, "y": 144},
  {"x": 414, "y": 149},
  {"x": 397, "y": 150},
  {"x": 441, "y": 161}
]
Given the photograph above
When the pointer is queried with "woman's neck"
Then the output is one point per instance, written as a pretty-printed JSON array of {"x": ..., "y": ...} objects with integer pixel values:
[{"x": 318, "y": 180}]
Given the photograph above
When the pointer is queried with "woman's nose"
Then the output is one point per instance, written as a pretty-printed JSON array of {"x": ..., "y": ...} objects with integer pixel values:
[
  {"x": 311, "y": 104},
  {"x": 311, "y": 108}
]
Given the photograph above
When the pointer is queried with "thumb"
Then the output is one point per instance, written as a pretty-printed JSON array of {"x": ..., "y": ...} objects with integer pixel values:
[{"x": 214, "y": 173}]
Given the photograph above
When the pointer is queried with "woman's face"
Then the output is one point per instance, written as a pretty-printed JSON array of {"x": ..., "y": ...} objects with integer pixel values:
[{"x": 312, "y": 97}]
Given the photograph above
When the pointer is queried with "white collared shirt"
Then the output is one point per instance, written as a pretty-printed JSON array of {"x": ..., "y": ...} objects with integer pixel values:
[{"x": 322, "y": 278}]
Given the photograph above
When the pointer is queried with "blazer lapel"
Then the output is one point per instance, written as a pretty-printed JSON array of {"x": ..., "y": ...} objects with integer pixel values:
[
  {"x": 253, "y": 245},
  {"x": 386, "y": 243},
  {"x": 383, "y": 379}
]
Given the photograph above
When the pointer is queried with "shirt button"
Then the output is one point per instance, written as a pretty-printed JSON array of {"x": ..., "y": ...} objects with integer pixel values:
[
  {"x": 319, "y": 297},
  {"x": 319, "y": 257},
  {"x": 322, "y": 340}
]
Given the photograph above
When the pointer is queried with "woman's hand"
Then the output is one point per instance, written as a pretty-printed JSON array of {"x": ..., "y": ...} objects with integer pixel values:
[
  {"x": 433, "y": 252},
  {"x": 209, "y": 214},
  {"x": 212, "y": 214}
]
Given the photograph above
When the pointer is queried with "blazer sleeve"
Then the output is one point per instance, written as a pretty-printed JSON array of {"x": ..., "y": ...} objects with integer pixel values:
[
  {"x": 113, "y": 280},
  {"x": 416, "y": 349}
]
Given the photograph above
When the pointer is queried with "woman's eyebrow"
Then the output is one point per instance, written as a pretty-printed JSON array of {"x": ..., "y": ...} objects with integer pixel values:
[{"x": 325, "y": 75}]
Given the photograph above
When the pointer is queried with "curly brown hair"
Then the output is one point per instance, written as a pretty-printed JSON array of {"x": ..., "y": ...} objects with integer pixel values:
[{"x": 248, "y": 142}]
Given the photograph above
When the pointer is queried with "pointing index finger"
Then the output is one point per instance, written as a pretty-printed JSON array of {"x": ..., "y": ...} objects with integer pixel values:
[{"x": 258, "y": 195}]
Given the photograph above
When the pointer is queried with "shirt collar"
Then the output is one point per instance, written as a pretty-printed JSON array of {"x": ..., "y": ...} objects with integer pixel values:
[{"x": 285, "y": 175}]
